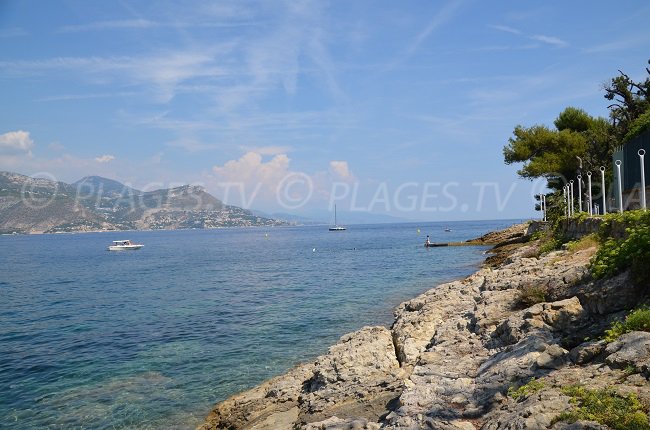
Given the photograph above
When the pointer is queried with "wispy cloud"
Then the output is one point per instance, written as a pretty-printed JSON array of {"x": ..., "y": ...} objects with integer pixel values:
[
  {"x": 551, "y": 40},
  {"x": 109, "y": 25},
  {"x": 505, "y": 28},
  {"x": 438, "y": 20},
  {"x": 231, "y": 77},
  {"x": 161, "y": 73},
  {"x": 145, "y": 24},
  {"x": 107, "y": 158}
]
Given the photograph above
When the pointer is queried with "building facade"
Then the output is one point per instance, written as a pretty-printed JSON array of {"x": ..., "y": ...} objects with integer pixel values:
[{"x": 628, "y": 154}]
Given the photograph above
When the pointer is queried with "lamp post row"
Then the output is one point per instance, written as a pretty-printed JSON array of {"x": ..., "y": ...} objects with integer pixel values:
[{"x": 593, "y": 208}]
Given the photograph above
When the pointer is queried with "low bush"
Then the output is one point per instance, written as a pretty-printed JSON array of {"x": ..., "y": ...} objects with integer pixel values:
[
  {"x": 633, "y": 251},
  {"x": 637, "y": 320},
  {"x": 605, "y": 407},
  {"x": 530, "y": 295},
  {"x": 533, "y": 386},
  {"x": 550, "y": 244}
]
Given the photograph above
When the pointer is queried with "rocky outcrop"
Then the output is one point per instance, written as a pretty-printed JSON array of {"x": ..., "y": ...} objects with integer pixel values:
[
  {"x": 357, "y": 379},
  {"x": 455, "y": 352},
  {"x": 632, "y": 350}
]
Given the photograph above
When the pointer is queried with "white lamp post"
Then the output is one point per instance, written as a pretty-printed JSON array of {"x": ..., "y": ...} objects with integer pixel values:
[
  {"x": 591, "y": 211},
  {"x": 620, "y": 185},
  {"x": 579, "y": 193},
  {"x": 602, "y": 184},
  {"x": 571, "y": 197},
  {"x": 641, "y": 156}
]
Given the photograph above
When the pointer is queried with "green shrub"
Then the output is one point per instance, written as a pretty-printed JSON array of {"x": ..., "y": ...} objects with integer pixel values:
[
  {"x": 605, "y": 407},
  {"x": 533, "y": 386},
  {"x": 632, "y": 252},
  {"x": 550, "y": 244},
  {"x": 552, "y": 238},
  {"x": 638, "y": 126},
  {"x": 628, "y": 218},
  {"x": 637, "y": 320},
  {"x": 538, "y": 235},
  {"x": 580, "y": 216}
]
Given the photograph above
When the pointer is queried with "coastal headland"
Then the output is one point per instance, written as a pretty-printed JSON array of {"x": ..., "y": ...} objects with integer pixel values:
[{"x": 516, "y": 345}]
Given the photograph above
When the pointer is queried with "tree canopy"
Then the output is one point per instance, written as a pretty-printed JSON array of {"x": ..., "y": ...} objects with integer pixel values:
[
  {"x": 630, "y": 100},
  {"x": 556, "y": 153},
  {"x": 578, "y": 138}
]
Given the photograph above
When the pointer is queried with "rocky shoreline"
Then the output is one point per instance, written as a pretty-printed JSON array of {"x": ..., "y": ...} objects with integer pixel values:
[{"x": 454, "y": 353}]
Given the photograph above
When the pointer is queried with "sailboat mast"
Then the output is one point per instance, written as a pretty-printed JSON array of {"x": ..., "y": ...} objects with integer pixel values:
[{"x": 335, "y": 223}]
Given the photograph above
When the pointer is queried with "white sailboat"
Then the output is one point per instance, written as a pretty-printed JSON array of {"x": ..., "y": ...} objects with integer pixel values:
[{"x": 336, "y": 227}]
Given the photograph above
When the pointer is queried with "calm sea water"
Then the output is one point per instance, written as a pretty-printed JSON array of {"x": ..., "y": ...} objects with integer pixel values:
[{"x": 153, "y": 338}]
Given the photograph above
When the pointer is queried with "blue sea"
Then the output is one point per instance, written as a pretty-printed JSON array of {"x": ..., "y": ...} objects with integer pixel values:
[{"x": 151, "y": 339}]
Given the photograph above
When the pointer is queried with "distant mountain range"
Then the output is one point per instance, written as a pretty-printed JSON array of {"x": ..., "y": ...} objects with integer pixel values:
[{"x": 35, "y": 205}]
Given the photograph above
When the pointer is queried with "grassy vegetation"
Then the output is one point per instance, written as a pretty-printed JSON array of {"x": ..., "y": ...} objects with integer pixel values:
[
  {"x": 589, "y": 241},
  {"x": 637, "y": 320},
  {"x": 550, "y": 244},
  {"x": 633, "y": 251},
  {"x": 605, "y": 407},
  {"x": 533, "y": 386},
  {"x": 532, "y": 294},
  {"x": 614, "y": 254}
]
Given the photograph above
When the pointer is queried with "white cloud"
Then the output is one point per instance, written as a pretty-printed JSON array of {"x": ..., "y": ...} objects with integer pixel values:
[
  {"x": 252, "y": 181},
  {"x": 109, "y": 25},
  {"x": 505, "y": 28},
  {"x": 161, "y": 73},
  {"x": 551, "y": 40},
  {"x": 16, "y": 142},
  {"x": 251, "y": 169},
  {"x": 340, "y": 169},
  {"x": 105, "y": 158}
]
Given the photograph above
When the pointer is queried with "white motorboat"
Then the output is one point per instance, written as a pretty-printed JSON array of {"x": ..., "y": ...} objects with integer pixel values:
[{"x": 124, "y": 245}]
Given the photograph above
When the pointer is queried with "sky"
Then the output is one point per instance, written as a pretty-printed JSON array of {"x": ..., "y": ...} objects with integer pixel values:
[{"x": 398, "y": 108}]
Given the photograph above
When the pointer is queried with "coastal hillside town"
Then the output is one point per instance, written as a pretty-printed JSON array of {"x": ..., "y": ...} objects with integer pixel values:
[{"x": 36, "y": 205}]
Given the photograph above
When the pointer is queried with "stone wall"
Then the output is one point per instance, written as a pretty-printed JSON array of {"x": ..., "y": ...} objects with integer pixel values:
[{"x": 576, "y": 228}]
